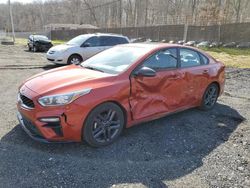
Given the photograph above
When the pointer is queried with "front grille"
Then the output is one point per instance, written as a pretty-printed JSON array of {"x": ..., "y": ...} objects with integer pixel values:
[
  {"x": 50, "y": 59},
  {"x": 27, "y": 102}
]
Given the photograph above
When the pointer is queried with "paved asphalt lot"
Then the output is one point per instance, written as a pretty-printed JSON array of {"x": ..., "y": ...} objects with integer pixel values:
[{"x": 189, "y": 149}]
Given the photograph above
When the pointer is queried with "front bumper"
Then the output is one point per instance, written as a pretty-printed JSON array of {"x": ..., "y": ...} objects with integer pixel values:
[
  {"x": 67, "y": 124},
  {"x": 30, "y": 129},
  {"x": 33, "y": 131},
  {"x": 56, "y": 59}
]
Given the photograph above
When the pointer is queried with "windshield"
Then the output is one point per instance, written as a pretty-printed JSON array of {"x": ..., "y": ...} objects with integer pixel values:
[
  {"x": 39, "y": 37},
  {"x": 78, "y": 40},
  {"x": 115, "y": 60}
]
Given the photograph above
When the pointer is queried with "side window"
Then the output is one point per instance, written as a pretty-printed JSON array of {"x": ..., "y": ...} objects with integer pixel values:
[
  {"x": 164, "y": 59},
  {"x": 189, "y": 58},
  {"x": 112, "y": 41},
  {"x": 121, "y": 40},
  {"x": 205, "y": 60},
  {"x": 105, "y": 41},
  {"x": 93, "y": 41}
]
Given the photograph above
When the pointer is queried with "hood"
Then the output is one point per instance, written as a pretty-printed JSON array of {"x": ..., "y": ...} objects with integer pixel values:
[
  {"x": 43, "y": 40},
  {"x": 66, "y": 79},
  {"x": 60, "y": 47}
]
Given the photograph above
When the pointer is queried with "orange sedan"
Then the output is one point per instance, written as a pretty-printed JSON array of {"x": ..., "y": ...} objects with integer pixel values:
[{"x": 116, "y": 89}]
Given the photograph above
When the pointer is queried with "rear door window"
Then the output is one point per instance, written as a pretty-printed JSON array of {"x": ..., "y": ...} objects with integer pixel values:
[
  {"x": 105, "y": 41},
  {"x": 112, "y": 41},
  {"x": 189, "y": 58}
]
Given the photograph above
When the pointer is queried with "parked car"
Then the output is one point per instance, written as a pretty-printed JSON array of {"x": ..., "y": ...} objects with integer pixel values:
[
  {"x": 190, "y": 43},
  {"x": 39, "y": 43},
  {"x": 230, "y": 45},
  {"x": 116, "y": 89},
  {"x": 243, "y": 45},
  {"x": 83, "y": 47},
  {"x": 203, "y": 44}
]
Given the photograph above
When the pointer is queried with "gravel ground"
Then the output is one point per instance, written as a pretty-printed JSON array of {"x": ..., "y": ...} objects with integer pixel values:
[{"x": 189, "y": 149}]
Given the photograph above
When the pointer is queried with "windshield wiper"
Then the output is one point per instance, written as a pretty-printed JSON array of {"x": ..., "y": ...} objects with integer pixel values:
[{"x": 92, "y": 68}]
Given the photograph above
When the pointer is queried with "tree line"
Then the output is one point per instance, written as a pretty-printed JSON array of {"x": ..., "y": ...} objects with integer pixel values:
[{"x": 124, "y": 13}]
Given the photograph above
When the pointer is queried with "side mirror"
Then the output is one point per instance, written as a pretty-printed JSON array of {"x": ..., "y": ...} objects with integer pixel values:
[
  {"x": 85, "y": 45},
  {"x": 145, "y": 72}
]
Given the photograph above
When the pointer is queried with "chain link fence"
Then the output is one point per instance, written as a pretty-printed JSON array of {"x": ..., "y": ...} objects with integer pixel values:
[{"x": 238, "y": 32}]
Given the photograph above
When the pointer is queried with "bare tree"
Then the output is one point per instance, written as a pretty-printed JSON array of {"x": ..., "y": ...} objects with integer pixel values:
[{"x": 125, "y": 13}]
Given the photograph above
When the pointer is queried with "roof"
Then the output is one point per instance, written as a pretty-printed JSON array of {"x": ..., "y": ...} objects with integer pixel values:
[
  {"x": 153, "y": 45},
  {"x": 104, "y": 34}
]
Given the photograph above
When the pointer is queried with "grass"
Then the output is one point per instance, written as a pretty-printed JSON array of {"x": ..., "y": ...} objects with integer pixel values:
[
  {"x": 230, "y": 51},
  {"x": 231, "y": 57},
  {"x": 57, "y": 42}
]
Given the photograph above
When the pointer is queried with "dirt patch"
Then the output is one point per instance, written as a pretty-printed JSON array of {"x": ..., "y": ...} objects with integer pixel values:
[{"x": 189, "y": 149}]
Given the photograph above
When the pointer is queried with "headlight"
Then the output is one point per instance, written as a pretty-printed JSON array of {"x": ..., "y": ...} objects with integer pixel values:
[
  {"x": 63, "y": 50},
  {"x": 62, "y": 99}
]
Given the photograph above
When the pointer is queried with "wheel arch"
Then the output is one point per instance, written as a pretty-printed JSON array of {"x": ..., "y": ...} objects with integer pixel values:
[
  {"x": 74, "y": 54},
  {"x": 108, "y": 101},
  {"x": 217, "y": 83}
]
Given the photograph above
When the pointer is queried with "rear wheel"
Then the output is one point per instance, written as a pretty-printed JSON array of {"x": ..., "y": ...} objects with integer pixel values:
[
  {"x": 104, "y": 125},
  {"x": 210, "y": 97},
  {"x": 74, "y": 59}
]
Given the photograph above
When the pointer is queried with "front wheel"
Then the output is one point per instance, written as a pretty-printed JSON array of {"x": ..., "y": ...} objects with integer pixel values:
[
  {"x": 104, "y": 125},
  {"x": 210, "y": 97},
  {"x": 74, "y": 59},
  {"x": 35, "y": 49}
]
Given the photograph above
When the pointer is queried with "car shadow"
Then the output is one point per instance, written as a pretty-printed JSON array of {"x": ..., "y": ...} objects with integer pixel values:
[
  {"x": 160, "y": 150},
  {"x": 22, "y": 67},
  {"x": 37, "y": 52},
  {"x": 52, "y": 66}
]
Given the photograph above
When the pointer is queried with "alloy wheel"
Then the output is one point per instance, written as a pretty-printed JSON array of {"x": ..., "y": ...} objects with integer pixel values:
[
  {"x": 106, "y": 125},
  {"x": 211, "y": 96},
  {"x": 75, "y": 61}
]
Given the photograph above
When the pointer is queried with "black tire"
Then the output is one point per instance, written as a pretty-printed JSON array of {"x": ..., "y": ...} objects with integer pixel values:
[
  {"x": 210, "y": 97},
  {"x": 103, "y": 125},
  {"x": 35, "y": 49},
  {"x": 74, "y": 59}
]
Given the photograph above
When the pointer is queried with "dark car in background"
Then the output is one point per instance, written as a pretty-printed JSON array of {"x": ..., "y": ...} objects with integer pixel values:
[{"x": 39, "y": 43}]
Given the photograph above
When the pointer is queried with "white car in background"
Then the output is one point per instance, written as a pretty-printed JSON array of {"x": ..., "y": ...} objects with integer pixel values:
[{"x": 83, "y": 47}]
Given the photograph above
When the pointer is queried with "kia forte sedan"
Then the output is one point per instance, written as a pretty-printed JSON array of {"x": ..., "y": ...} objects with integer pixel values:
[{"x": 116, "y": 89}]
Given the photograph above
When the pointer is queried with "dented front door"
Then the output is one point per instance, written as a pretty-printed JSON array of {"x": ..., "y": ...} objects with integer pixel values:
[{"x": 161, "y": 93}]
